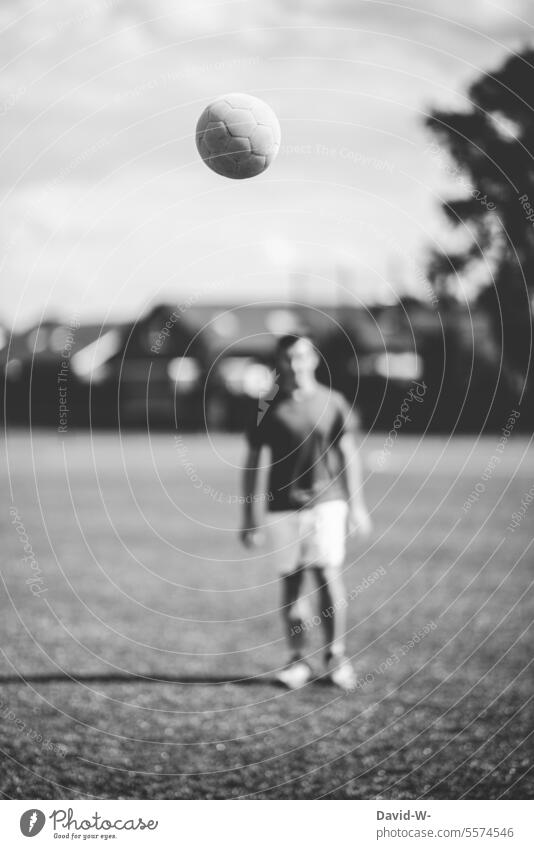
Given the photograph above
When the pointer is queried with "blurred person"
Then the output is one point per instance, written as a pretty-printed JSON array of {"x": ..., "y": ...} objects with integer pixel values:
[{"x": 315, "y": 498}]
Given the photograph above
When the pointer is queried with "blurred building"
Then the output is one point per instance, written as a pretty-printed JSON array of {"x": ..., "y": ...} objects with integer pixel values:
[{"x": 206, "y": 365}]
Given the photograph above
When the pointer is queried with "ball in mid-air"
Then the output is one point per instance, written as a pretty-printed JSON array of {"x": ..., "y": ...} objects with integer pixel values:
[{"x": 238, "y": 136}]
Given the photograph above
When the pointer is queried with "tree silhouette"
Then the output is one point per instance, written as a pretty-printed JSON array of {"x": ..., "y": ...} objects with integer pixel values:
[{"x": 492, "y": 147}]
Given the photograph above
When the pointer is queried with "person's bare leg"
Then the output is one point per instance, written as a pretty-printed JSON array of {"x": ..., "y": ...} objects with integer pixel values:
[
  {"x": 333, "y": 611},
  {"x": 334, "y": 624},
  {"x": 293, "y": 611},
  {"x": 298, "y": 671}
]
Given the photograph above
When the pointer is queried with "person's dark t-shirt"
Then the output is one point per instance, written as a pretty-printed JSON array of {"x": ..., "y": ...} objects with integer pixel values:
[{"x": 302, "y": 434}]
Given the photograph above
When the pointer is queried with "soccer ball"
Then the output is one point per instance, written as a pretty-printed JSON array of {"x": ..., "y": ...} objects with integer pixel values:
[{"x": 238, "y": 136}]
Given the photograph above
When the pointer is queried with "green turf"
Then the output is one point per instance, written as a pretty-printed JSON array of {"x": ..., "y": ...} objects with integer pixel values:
[{"x": 147, "y": 587}]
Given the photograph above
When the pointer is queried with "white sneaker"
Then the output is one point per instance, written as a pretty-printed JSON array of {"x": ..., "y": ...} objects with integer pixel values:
[
  {"x": 295, "y": 675},
  {"x": 342, "y": 674}
]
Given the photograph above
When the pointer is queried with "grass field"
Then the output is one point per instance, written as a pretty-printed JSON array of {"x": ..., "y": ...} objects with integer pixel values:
[{"x": 145, "y": 653}]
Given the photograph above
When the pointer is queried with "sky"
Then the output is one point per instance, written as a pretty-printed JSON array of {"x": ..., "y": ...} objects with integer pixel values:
[{"x": 106, "y": 207}]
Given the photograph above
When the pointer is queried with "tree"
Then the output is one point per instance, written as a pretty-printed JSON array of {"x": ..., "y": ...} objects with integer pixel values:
[{"x": 492, "y": 147}]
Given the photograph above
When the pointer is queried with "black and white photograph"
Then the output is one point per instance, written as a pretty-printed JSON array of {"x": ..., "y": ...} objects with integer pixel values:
[{"x": 266, "y": 343}]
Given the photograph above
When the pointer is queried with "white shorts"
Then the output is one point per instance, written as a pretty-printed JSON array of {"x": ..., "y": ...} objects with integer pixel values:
[{"x": 308, "y": 537}]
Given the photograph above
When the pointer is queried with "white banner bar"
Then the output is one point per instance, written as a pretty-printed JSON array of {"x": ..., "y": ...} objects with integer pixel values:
[{"x": 257, "y": 825}]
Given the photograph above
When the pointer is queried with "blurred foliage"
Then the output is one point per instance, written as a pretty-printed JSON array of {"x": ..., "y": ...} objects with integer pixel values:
[{"x": 491, "y": 147}]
